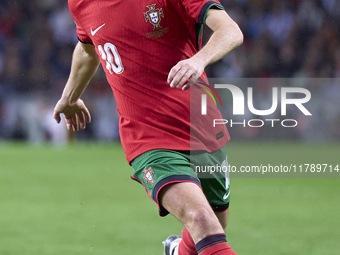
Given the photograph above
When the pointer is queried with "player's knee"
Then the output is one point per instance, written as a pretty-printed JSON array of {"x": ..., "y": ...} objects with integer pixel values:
[{"x": 200, "y": 217}]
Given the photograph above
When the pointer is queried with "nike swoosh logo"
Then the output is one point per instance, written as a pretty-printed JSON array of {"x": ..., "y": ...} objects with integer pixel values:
[
  {"x": 226, "y": 195},
  {"x": 96, "y": 30}
]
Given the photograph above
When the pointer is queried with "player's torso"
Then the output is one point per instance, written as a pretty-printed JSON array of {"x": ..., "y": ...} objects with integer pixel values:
[
  {"x": 138, "y": 42},
  {"x": 136, "y": 37}
]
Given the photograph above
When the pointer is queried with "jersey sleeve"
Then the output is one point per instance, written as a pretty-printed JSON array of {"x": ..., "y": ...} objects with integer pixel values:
[
  {"x": 82, "y": 36},
  {"x": 81, "y": 33},
  {"x": 198, "y": 9}
]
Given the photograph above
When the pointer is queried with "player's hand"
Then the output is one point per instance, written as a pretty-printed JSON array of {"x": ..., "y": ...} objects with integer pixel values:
[
  {"x": 76, "y": 114},
  {"x": 185, "y": 72}
]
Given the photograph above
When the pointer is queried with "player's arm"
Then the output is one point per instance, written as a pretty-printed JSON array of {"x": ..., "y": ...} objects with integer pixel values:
[
  {"x": 226, "y": 37},
  {"x": 85, "y": 62}
]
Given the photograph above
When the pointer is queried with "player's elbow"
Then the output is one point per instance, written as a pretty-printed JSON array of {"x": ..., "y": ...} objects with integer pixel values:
[
  {"x": 231, "y": 33},
  {"x": 240, "y": 36},
  {"x": 220, "y": 22},
  {"x": 237, "y": 35}
]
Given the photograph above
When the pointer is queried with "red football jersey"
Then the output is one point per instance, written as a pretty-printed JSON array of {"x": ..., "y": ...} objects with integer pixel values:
[{"x": 138, "y": 42}]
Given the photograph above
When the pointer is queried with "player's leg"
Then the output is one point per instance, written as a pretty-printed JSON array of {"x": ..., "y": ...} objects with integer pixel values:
[
  {"x": 223, "y": 218},
  {"x": 186, "y": 245},
  {"x": 161, "y": 170},
  {"x": 187, "y": 203},
  {"x": 215, "y": 183},
  {"x": 216, "y": 188}
]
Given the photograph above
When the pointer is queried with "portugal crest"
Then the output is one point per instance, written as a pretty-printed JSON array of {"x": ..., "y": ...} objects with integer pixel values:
[
  {"x": 148, "y": 175},
  {"x": 154, "y": 16}
]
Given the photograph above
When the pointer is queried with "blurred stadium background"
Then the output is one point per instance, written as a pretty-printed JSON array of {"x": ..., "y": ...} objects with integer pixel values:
[
  {"x": 78, "y": 199},
  {"x": 290, "y": 38}
]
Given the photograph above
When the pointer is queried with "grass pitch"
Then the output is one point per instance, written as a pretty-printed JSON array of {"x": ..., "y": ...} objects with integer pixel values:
[{"x": 80, "y": 200}]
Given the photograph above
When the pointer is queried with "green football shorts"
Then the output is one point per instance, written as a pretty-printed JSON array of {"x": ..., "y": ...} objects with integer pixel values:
[{"x": 157, "y": 168}]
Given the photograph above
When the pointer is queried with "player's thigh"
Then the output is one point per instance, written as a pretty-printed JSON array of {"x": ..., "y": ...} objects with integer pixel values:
[
  {"x": 156, "y": 169},
  {"x": 212, "y": 171}
]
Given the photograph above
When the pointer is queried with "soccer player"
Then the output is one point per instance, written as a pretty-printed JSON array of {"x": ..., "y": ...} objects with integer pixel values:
[{"x": 150, "y": 51}]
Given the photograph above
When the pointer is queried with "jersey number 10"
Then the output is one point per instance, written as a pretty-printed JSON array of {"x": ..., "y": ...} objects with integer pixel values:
[{"x": 113, "y": 61}]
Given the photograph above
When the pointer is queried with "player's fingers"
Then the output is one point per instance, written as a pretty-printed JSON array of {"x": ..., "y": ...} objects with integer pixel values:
[
  {"x": 185, "y": 78},
  {"x": 85, "y": 120},
  {"x": 81, "y": 118},
  {"x": 178, "y": 78},
  {"x": 170, "y": 75},
  {"x": 192, "y": 81},
  {"x": 173, "y": 73},
  {"x": 68, "y": 122},
  {"x": 56, "y": 116},
  {"x": 76, "y": 122},
  {"x": 87, "y": 115}
]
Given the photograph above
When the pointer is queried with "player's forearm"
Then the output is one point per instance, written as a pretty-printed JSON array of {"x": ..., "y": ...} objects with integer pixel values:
[
  {"x": 84, "y": 66},
  {"x": 226, "y": 37}
]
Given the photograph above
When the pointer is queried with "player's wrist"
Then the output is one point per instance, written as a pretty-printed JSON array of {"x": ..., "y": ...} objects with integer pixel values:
[
  {"x": 201, "y": 60},
  {"x": 68, "y": 99},
  {"x": 70, "y": 95}
]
